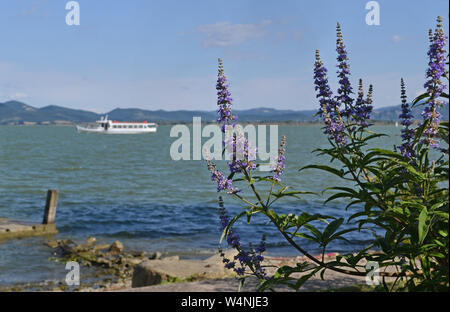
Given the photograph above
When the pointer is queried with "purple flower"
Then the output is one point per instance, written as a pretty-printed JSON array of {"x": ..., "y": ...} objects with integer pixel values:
[
  {"x": 233, "y": 238},
  {"x": 278, "y": 168},
  {"x": 434, "y": 85},
  {"x": 324, "y": 94},
  {"x": 230, "y": 265},
  {"x": 258, "y": 258},
  {"x": 222, "y": 182},
  {"x": 252, "y": 258},
  {"x": 406, "y": 120},
  {"x": 329, "y": 111},
  {"x": 241, "y": 150},
  {"x": 345, "y": 88},
  {"x": 363, "y": 107},
  {"x": 240, "y": 271},
  {"x": 235, "y": 141},
  {"x": 224, "y": 99},
  {"x": 243, "y": 257},
  {"x": 261, "y": 247}
]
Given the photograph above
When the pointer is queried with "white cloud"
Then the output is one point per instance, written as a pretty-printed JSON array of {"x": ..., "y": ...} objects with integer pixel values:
[
  {"x": 224, "y": 34},
  {"x": 396, "y": 38},
  {"x": 19, "y": 95},
  {"x": 36, "y": 8},
  {"x": 106, "y": 92}
]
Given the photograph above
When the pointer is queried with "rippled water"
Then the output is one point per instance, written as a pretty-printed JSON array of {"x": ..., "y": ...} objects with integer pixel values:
[{"x": 127, "y": 187}]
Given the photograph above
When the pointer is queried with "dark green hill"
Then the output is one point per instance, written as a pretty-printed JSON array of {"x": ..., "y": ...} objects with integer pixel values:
[
  {"x": 14, "y": 112},
  {"x": 53, "y": 113}
]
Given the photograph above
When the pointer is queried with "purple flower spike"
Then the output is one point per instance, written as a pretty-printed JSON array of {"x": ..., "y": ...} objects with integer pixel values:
[
  {"x": 406, "y": 120},
  {"x": 345, "y": 89},
  {"x": 334, "y": 125},
  {"x": 363, "y": 107},
  {"x": 253, "y": 258},
  {"x": 241, "y": 150},
  {"x": 222, "y": 182},
  {"x": 224, "y": 99},
  {"x": 237, "y": 144},
  {"x": 279, "y": 167},
  {"x": 434, "y": 85},
  {"x": 233, "y": 237}
]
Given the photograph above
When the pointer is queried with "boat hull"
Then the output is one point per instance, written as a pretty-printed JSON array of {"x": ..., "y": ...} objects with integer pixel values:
[{"x": 115, "y": 131}]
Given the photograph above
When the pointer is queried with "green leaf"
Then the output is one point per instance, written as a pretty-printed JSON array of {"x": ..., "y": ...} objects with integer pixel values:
[
  {"x": 345, "y": 189},
  {"x": 340, "y": 233},
  {"x": 321, "y": 274},
  {"x": 267, "y": 179},
  {"x": 356, "y": 215},
  {"x": 417, "y": 175},
  {"x": 419, "y": 98},
  {"x": 437, "y": 254},
  {"x": 241, "y": 284},
  {"x": 314, "y": 231},
  {"x": 331, "y": 229},
  {"x": 423, "y": 226},
  {"x": 388, "y": 153},
  {"x": 376, "y": 135},
  {"x": 338, "y": 195},
  {"x": 304, "y": 235},
  {"x": 303, "y": 279},
  {"x": 332, "y": 170},
  {"x": 305, "y": 217},
  {"x": 282, "y": 193},
  {"x": 353, "y": 203}
]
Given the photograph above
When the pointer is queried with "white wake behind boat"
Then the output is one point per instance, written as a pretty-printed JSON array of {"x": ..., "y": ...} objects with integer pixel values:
[{"x": 118, "y": 127}]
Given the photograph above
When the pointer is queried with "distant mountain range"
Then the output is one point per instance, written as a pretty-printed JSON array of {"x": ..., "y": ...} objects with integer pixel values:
[{"x": 17, "y": 113}]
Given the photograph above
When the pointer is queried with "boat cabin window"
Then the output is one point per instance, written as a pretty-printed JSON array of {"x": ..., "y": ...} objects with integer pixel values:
[
  {"x": 130, "y": 126},
  {"x": 141, "y": 126}
]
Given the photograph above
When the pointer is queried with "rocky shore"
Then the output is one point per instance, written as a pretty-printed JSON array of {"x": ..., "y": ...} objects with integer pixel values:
[{"x": 110, "y": 267}]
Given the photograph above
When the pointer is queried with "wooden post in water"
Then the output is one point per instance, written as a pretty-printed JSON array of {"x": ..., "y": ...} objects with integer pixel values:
[{"x": 50, "y": 207}]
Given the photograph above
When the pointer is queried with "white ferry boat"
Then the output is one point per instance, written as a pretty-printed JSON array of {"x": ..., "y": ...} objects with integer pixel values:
[{"x": 118, "y": 127}]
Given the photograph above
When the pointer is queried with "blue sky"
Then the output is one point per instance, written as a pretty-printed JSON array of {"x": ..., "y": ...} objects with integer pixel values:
[{"x": 163, "y": 54}]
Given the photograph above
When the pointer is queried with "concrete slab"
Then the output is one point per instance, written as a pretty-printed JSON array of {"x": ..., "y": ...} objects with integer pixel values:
[
  {"x": 152, "y": 272},
  {"x": 17, "y": 229}
]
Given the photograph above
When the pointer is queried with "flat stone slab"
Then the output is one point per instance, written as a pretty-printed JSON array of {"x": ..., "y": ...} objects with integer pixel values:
[
  {"x": 153, "y": 272},
  {"x": 332, "y": 281},
  {"x": 16, "y": 229},
  {"x": 212, "y": 276}
]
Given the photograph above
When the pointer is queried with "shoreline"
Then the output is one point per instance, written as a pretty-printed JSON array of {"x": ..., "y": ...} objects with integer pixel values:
[
  {"x": 217, "y": 281},
  {"x": 171, "y": 123},
  {"x": 112, "y": 268}
]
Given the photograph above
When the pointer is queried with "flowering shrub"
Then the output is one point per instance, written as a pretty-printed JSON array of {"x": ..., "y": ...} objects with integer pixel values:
[{"x": 402, "y": 193}]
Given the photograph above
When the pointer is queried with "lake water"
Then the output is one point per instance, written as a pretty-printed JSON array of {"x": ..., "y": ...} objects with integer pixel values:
[{"x": 127, "y": 188}]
